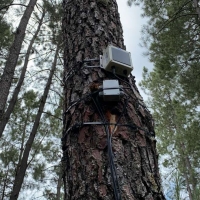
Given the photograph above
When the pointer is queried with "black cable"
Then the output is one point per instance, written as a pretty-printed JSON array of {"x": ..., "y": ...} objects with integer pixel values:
[
  {"x": 110, "y": 155},
  {"x": 111, "y": 152},
  {"x": 93, "y": 93},
  {"x": 113, "y": 71},
  {"x": 116, "y": 187},
  {"x": 114, "y": 177},
  {"x": 88, "y": 95},
  {"x": 122, "y": 80},
  {"x": 137, "y": 101},
  {"x": 110, "y": 140},
  {"x": 117, "y": 123},
  {"x": 109, "y": 147},
  {"x": 83, "y": 98},
  {"x": 132, "y": 126}
]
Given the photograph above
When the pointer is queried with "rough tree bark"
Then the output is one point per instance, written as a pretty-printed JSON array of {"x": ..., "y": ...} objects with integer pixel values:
[
  {"x": 6, "y": 79},
  {"x": 22, "y": 166},
  {"x": 88, "y": 27},
  {"x": 13, "y": 100}
]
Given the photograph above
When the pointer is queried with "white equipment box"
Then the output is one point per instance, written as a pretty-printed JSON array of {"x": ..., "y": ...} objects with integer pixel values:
[
  {"x": 119, "y": 59},
  {"x": 111, "y": 90}
]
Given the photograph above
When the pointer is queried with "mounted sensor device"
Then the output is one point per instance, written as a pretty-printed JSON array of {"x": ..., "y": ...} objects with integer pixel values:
[
  {"x": 112, "y": 91},
  {"x": 116, "y": 59}
]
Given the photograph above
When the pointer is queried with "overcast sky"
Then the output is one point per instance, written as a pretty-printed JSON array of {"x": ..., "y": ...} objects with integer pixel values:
[{"x": 132, "y": 23}]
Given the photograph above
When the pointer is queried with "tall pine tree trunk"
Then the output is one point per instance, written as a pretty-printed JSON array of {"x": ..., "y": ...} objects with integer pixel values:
[
  {"x": 6, "y": 79},
  {"x": 88, "y": 27}
]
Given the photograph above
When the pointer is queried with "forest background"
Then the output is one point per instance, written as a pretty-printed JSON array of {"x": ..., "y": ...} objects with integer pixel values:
[{"x": 170, "y": 40}]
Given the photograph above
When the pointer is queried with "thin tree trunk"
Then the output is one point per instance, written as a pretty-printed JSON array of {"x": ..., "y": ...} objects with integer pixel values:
[
  {"x": 185, "y": 174},
  {"x": 181, "y": 150},
  {"x": 192, "y": 176},
  {"x": 13, "y": 100},
  {"x": 21, "y": 173},
  {"x": 192, "y": 180},
  {"x": 185, "y": 171},
  {"x": 59, "y": 184},
  {"x": 188, "y": 173},
  {"x": 89, "y": 26},
  {"x": 22, "y": 143},
  {"x": 6, "y": 79},
  {"x": 4, "y": 184}
]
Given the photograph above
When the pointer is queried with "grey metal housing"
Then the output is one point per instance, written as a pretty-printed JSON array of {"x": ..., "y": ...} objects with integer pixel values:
[
  {"x": 119, "y": 59},
  {"x": 111, "y": 90}
]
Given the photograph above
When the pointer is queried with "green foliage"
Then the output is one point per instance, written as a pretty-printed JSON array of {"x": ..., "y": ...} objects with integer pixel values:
[
  {"x": 38, "y": 171},
  {"x": 54, "y": 14},
  {"x": 44, "y": 157},
  {"x": 30, "y": 99},
  {"x": 172, "y": 39},
  {"x": 6, "y": 35},
  {"x": 43, "y": 172},
  {"x": 177, "y": 126},
  {"x": 6, "y": 38}
]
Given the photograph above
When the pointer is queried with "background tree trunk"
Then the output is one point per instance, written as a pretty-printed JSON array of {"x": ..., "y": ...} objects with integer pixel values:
[
  {"x": 21, "y": 170},
  {"x": 89, "y": 26},
  {"x": 59, "y": 184},
  {"x": 13, "y": 100},
  {"x": 6, "y": 79}
]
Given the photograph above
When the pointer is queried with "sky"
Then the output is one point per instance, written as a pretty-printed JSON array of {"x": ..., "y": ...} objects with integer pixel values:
[{"x": 132, "y": 23}]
